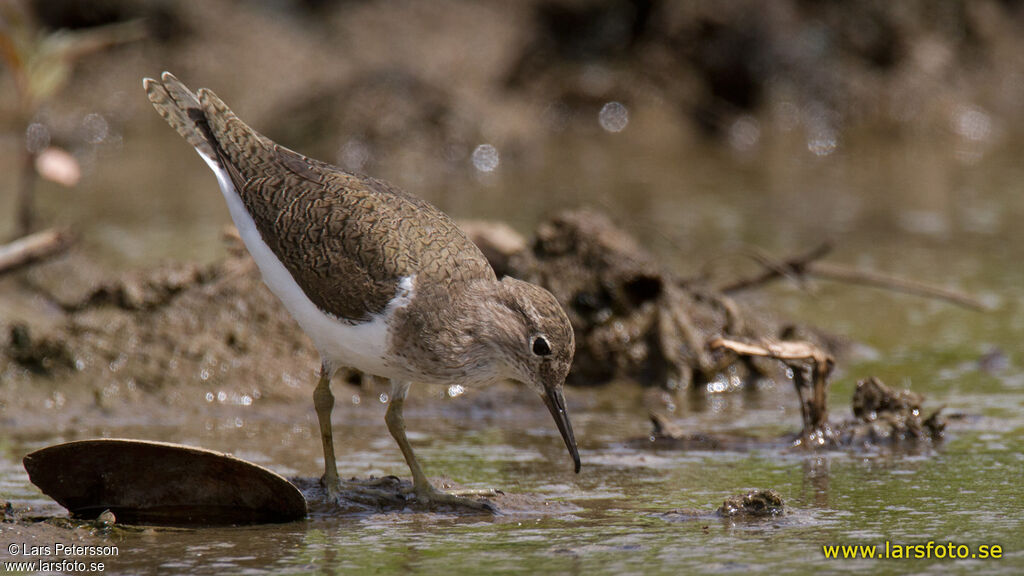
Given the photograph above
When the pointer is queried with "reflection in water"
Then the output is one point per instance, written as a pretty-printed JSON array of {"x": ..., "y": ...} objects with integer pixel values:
[{"x": 816, "y": 479}]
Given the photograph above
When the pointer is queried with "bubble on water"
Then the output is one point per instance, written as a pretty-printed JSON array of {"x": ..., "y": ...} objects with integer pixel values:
[
  {"x": 744, "y": 133},
  {"x": 486, "y": 158},
  {"x": 718, "y": 385},
  {"x": 356, "y": 399},
  {"x": 222, "y": 396},
  {"x": 245, "y": 400},
  {"x": 972, "y": 123},
  {"x": 557, "y": 116},
  {"x": 613, "y": 117},
  {"x": 456, "y": 390},
  {"x": 95, "y": 128},
  {"x": 209, "y": 396},
  {"x": 823, "y": 141},
  {"x": 383, "y": 398},
  {"x": 37, "y": 137}
]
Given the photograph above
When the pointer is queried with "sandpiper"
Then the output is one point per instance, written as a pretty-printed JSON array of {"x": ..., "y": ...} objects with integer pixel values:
[{"x": 380, "y": 280}]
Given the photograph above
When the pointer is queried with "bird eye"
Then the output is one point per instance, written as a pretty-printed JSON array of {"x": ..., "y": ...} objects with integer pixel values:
[{"x": 541, "y": 346}]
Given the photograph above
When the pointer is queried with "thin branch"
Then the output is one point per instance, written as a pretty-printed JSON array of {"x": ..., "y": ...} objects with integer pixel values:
[
  {"x": 839, "y": 273},
  {"x": 29, "y": 249},
  {"x": 805, "y": 265},
  {"x": 792, "y": 267}
]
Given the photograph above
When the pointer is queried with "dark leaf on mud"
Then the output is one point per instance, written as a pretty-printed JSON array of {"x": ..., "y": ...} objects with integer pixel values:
[{"x": 158, "y": 483}]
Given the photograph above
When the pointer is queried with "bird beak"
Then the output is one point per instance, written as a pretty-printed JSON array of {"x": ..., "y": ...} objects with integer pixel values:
[{"x": 555, "y": 402}]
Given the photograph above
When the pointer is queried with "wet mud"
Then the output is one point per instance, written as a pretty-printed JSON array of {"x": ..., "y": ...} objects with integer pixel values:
[
  {"x": 752, "y": 506},
  {"x": 390, "y": 494},
  {"x": 882, "y": 418}
]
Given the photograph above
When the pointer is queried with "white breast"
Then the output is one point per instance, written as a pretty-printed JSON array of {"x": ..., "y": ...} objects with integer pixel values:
[{"x": 363, "y": 346}]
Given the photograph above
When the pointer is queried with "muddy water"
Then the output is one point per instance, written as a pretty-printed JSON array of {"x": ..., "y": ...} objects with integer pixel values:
[{"x": 935, "y": 208}]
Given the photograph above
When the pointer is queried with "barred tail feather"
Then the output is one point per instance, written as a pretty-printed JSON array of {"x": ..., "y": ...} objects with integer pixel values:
[{"x": 180, "y": 107}]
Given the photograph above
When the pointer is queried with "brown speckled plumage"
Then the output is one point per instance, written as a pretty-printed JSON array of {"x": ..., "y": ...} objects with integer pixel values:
[{"x": 346, "y": 239}]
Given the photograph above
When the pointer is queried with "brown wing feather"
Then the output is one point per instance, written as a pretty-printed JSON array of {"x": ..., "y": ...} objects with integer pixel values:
[{"x": 346, "y": 239}]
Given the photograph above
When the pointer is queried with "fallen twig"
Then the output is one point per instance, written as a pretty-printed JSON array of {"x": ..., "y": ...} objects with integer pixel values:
[
  {"x": 32, "y": 248},
  {"x": 806, "y": 265},
  {"x": 839, "y": 273},
  {"x": 800, "y": 357},
  {"x": 794, "y": 268}
]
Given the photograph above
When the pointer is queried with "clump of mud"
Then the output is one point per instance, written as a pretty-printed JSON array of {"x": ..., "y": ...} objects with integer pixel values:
[
  {"x": 885, "y": 416},
  {"x": 39, "y": 354},
  {"x": 882, "y": 418},
  {"x": 215, "y": 326},
  {"x": 753, "y": 504}
]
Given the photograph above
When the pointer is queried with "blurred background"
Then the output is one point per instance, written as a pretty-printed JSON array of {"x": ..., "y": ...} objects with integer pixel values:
[
  {"x": 699, "y": 125},
  {"x": 703, "y": 128}
]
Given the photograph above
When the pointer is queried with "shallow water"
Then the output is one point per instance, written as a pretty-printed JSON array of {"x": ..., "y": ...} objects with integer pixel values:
[{"x": 936, "y": 209}]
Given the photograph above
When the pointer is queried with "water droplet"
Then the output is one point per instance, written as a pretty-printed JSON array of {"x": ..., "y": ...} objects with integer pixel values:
[
  {"x": 383, "y": 398},
  {"x": 822, "y": 141},
  {"x": 486, "y": 158},
  {"x": 613, "y": 117},
  {"x": 37, "y": 137},
  {"x": 356, "y": 399},
  {"x": 209, "y": 396},
  {"x": 95, "y": 128},
  {"x": 354, "y": 154},
  {"x": 204, "y": 374},
  {"x": 245, "y": 400},
  {"x": 222, "y": 396},
  {"x": 718, "y": 385},
  {"x": 118, "y": 363},
  {"x": 972, "y": 123},
  {"x": 455, "y": 390},
  {"x": 744, "y": 133}
]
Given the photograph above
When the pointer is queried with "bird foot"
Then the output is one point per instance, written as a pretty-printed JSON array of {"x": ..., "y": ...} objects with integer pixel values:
[
  {"x": 479, "y": 493},
  {"x": 433, "y": 499}
]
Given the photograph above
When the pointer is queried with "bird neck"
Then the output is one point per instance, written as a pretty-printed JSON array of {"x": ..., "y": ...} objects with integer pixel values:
[{"x": 465, "y": 332}]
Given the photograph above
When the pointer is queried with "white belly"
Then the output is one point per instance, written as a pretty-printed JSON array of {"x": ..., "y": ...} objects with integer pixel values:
[{"x": 363, "y": 346}]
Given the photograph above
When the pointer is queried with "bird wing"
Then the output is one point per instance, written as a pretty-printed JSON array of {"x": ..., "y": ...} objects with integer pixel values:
[{"x": 346, "y": 239}]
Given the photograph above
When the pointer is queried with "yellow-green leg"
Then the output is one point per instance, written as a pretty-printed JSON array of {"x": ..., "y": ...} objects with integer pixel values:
[
  {"x": 323, "y": 401},
  {"x": 425, "y": 492}
]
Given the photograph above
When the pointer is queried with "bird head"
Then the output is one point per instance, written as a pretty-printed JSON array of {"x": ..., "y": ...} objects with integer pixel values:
[{"x": 542, "y": 346}]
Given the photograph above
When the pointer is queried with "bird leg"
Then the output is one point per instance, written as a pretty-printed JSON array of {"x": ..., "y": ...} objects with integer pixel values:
[
  {"x": 323, "y": 401},
  {"x": 424, "y": 490}
]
